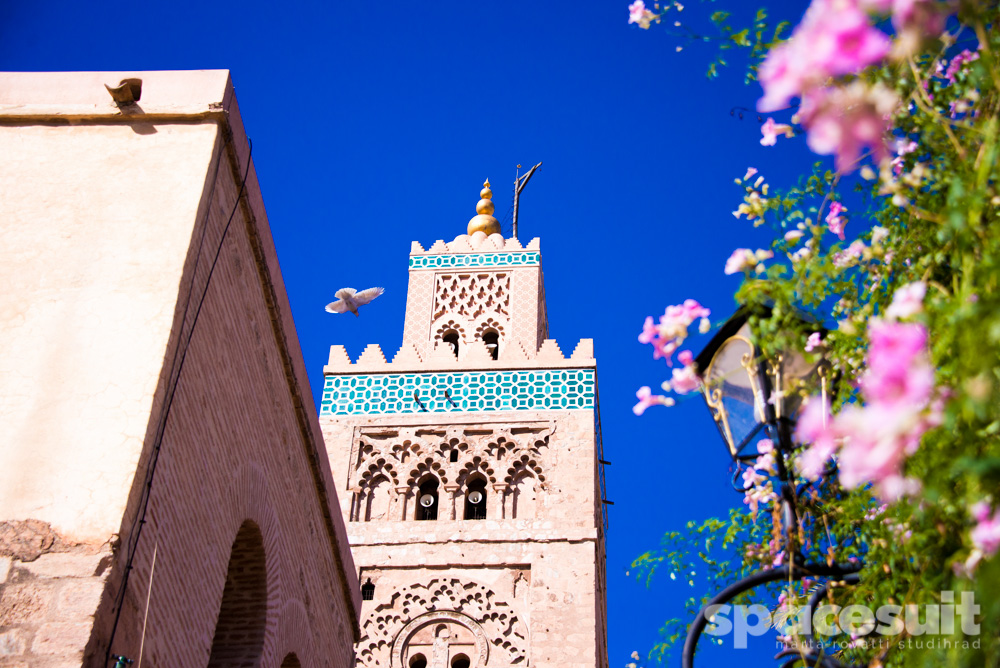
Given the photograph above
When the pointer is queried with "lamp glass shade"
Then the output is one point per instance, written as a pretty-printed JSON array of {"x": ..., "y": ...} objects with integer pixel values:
[
  {"x": 747, "y": 393},
  {"x": 731, "y": 385}
]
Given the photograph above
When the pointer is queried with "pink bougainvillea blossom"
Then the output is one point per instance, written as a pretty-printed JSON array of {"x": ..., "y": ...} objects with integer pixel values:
[
  {"x": 814, "y": 341},
  {"x": 834, "y": 221},
  {"x": 672, "y": 329},
  {"x": 744, "y": 259},
  {"x": 843, "y": 121},
  {"x": 849, "y": 255},
  {"x": 874, "y": 439},
  {"x": 647, "y": 398},
  {"x": 685, "y": 379},
  {"x": 835, "y": 37},
  {"x": 907, "y": 301},
  {"x": 637, "y": 13},
  {"x": 986, "y": 533},
  {"x": 958, "y": 62},
  {"x": 771, "y": 130}
]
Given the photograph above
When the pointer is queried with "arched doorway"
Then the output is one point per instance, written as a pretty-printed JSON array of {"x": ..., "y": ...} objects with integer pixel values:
[{"x": 239, "y": 630}]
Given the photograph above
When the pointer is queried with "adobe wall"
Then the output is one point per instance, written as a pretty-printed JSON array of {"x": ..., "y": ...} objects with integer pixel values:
[{"x": 241, "y": 444}]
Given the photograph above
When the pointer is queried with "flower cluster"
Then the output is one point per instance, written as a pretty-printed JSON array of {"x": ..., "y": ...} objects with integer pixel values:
[
  {"x": 637, "y": 13},
  {"x": 755, "y": 203},
  {"x": 744, "y": 259},
  {"x": 665, "y": 338},
  {"x": 672, "y": 329},
  {"x": 758, "y": 488},
  {"x": 874, "y": 439},
  {"x": 836, "y": 38}
]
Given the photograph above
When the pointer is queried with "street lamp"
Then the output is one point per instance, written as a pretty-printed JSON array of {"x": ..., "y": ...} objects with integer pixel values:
[
  {"x": 748, "y": 394},
  {"x": 751, "y": 395}
]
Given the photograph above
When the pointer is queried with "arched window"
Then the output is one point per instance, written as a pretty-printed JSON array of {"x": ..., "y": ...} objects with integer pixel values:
[
  {"x": 460, "y": 661},
  {"x": 524, "y": 497},
  {"x": 376, "y": 502},
  {"x": 492, "y": 340},
  {"x": 451, "y": 338},
  {"x": 291, "y": 661},
  {"x": 453, "y": 457},
  {"x": 475, "y": 500},
  {"x": 239, "y": 631},
  {"x": 418, "y": 661},
  {"x": 427, "y": 500},
  {"x": 368, "y": 591}
]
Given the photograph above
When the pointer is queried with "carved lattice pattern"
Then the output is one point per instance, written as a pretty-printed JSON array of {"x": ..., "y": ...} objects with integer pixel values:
[{"x": 472, "y": 295}]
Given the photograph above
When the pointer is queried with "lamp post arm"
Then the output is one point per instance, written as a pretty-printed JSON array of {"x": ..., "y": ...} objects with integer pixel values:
[{"x": 755, "y": 579}]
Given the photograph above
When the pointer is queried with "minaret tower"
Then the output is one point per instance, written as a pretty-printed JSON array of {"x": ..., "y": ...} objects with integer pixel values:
[{"x": 469, "y": 470}]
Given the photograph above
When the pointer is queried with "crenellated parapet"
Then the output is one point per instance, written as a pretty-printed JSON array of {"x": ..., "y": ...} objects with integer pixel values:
[
  {"x": 478, "y": 242},
  {"x": 473, "y": 355}
]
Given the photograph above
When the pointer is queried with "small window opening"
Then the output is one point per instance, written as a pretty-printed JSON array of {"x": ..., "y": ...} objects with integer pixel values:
[
  {"x": 451, "y": 338},
  {"x": 460, "y": 661},
  {"x": 475, "y": 500},
  {"x": 427, "y": 500},
  {"x": 418, "y": 661},
  {"x": 492, "y": 340},
  {"x": 454, "y": 456},
  {"x": 368, "y": 591}
]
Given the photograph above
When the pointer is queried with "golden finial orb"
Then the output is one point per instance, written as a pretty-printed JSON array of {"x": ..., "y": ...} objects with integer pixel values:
[{"x": 484, "y": 221}]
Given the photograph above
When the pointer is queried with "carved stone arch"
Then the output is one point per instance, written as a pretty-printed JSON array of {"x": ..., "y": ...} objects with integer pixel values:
[
  {"x": 431, "y": 465},
  {"x": 491, "y": 320},
  {"x": 477, "y": 465},
  {"x": 385, "y": 631},
  {"x": 524, "y": 463},
  {"x": 436, "y": 617},
  {"x": 448, "y": 323},
  {"x": 371, "y": 469},
  {"x": 500, "y": 446}
]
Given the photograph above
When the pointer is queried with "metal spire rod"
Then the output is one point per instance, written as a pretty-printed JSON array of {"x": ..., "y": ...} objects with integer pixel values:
[{"x": 519, "y": 183}]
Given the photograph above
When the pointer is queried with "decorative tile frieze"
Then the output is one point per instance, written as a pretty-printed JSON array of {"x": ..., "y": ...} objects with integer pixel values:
[
  {"x": 507, "y": 259},
  {"x": 458, "y": 392}
]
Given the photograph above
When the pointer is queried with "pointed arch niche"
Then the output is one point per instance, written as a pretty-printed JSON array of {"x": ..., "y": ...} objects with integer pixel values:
[{"x": 239, "y": 630}]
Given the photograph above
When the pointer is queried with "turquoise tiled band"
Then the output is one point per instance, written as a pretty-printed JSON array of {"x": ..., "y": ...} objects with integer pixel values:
[
  {"x": 474, "y": 391},
  {"x": 511, "y": 259}
]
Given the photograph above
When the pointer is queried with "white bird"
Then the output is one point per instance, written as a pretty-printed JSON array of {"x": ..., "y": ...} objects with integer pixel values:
[{"x": 348, "y": 299}]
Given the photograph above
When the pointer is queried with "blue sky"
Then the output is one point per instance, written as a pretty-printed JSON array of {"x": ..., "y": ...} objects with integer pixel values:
[{"x": 374, "y": 125}]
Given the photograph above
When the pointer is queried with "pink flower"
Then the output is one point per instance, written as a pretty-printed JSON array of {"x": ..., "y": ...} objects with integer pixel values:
[
  {"x": 899, "y": 372},
  {"x": 847, "y": 256},
  {"x": 833, "y": 38},
  {"x": 771, "y": 130},
  {"x": 637, "y": 13},
  {"x": 843, "y": 41},
  {"x": 843, "y": 121},
  {"x": 834, "y": 222},
  {"x": 907, "y": 301},
  {"x": 782, "y": 75},
  {"x": 986, "y": 534},
  {"x": 685, "y": 380},
  {"x": 813, "y": 342},
  {"x": 741, "y": 259},
  {"x": 685, "y": 357},
  {"x": 647, "y": 398},
  {"x": 959, "y": 61},
  {"x": 672, "y": 329}
]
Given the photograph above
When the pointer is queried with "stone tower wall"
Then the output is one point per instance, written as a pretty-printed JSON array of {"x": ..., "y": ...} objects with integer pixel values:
[
  {"x": 521, "y": 583},
  {"x": 109, "y": 245}
]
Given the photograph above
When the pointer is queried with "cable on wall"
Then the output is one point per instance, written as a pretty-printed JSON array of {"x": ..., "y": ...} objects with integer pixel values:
[{"x": 140, "y": 519}]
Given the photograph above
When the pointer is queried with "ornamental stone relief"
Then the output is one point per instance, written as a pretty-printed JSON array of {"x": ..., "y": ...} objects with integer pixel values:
[
  {"x": 391, "y": 464},
  {"x": 439, "y": 619}
]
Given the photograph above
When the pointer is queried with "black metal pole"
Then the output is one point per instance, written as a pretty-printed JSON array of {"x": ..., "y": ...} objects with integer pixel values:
[{"x": 792, "y": 571}]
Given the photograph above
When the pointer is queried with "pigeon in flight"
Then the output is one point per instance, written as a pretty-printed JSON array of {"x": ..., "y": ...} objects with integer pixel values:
[{"x": 348, "y": 299}]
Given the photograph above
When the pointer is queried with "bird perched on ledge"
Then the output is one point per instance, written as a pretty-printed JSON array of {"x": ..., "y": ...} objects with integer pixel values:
[{"x": 348, "y": 299}]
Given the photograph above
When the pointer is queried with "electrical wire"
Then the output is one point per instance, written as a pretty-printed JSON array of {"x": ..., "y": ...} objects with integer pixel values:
[{"x": 140, "y": 520}]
